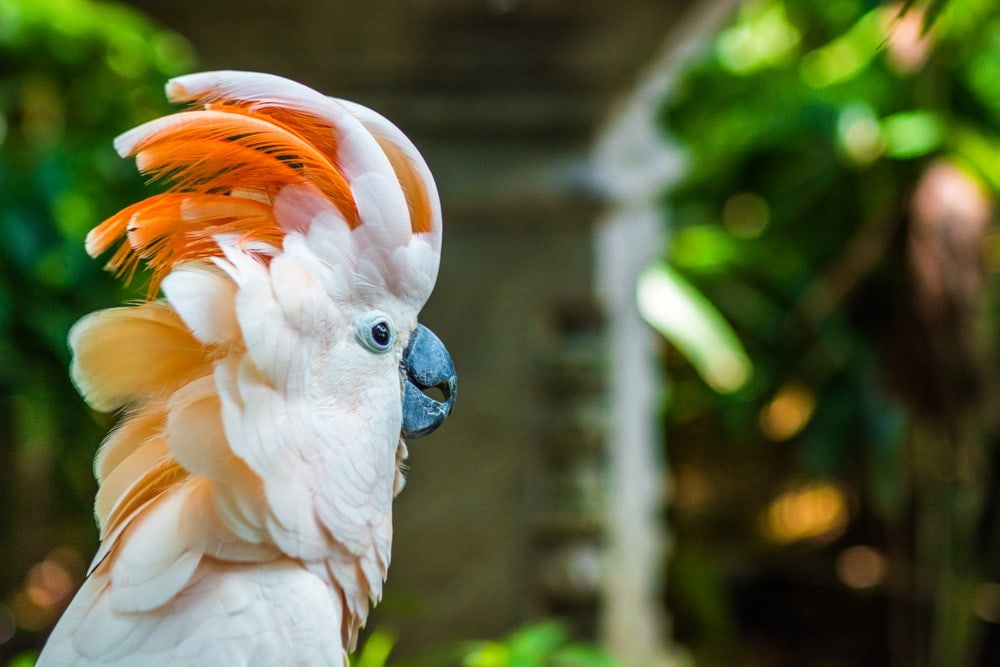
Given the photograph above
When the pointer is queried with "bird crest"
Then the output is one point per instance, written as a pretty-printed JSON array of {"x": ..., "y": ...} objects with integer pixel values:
[{"x": 245, "y": 139}]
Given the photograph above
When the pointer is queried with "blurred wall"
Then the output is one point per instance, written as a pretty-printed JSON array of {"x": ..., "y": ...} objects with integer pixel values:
[{"x": 503, "y": 97}]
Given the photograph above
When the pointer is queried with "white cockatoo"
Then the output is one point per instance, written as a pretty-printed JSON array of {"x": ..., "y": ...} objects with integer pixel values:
[{"x": 245, "y": 500}]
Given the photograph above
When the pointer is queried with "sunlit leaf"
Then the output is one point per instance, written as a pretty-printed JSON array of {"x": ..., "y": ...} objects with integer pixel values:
[
  {"x": 762, "y": 38},
  {"x": 23, "y": 659},
  {"x": 376, "y": 650},
  {"x": 691, "y": 323},
  {"x": 846, "y": 56},
  {"x": 487, "y": 654},
  {"x": 912, "y": 133},
  {"x": 532, "y": 645}
]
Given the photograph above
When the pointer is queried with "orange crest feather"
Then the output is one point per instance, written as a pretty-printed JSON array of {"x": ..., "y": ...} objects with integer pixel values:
[{"x": 225, "y": 164}]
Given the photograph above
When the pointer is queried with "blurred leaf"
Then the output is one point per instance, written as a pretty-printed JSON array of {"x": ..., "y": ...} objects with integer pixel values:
[
  {"x": 703, "y": 247},
  {"x": 533, "y": 645},
  {"x": 763, "y": 37},
  {"x": 23, "y": 659},
  {"x": 376, "y": 650},
  {"x": 687, "y": 319},
  {"x": 844, "y": 58},
  {"x": 487, "y": 654},
  {"x": 912, "y": 134},
  {"x": 546, "y": 644}
]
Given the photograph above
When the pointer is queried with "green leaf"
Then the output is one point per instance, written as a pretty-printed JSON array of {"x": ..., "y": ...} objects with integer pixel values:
[
  {"x": 531, "y": 646},
  {"x": 912, "y": 134},
  {"x": 763, "y": 38},
  {"x": 23, "y": 659},
  {"x": 544, "y": 644},
  {"x": 845, "y": 57},
  {"x": 487, "y": 654},
  {"x": 703, "y": 248},
  {"x": 375, "y": 652},
  {"x": 690, "y": 322}
]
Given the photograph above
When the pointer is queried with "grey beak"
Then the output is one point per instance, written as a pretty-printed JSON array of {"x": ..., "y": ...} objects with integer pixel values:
[{"x": 426, "y": 364}]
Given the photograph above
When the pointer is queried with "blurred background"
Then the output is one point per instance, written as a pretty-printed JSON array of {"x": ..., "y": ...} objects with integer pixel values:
[{"x": 719, "y": 277}]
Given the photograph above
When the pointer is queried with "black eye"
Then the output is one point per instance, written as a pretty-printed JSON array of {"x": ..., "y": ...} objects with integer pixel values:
[
  {"x": 376, "y": 332},
  {"x": 381, "y": 334}
]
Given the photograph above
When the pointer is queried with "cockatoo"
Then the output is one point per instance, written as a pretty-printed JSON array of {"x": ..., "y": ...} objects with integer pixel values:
[{"x": 245, "y": 498}]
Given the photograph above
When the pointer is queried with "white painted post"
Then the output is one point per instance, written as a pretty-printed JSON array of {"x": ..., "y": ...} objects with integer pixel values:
[{"x": 634, "y": 164}]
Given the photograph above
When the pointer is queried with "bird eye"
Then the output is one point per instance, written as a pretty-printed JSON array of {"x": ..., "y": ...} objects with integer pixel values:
[
  {"x": 375, "y": 332},
  {"x": 381, "y": 334}
]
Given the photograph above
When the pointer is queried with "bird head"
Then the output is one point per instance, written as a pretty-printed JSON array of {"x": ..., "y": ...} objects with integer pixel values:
[{"x": 317, "y": 189}]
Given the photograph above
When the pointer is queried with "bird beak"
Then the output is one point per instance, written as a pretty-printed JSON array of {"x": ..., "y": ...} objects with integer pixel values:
[{"x": 426, "y": 365}]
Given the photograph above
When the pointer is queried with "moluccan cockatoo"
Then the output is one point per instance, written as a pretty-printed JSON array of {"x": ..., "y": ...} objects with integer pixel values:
[{"x": 245, "y": 501}]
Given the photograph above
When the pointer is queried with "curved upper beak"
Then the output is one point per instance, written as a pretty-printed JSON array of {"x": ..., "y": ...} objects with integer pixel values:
[{"x": 426, "y": 365}]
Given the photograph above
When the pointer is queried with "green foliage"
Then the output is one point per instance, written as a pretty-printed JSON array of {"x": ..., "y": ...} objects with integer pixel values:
[
  {"x": 543, "y": 645},
  {"x": 25, "y": 659},
  {"x": 805, "y": 135},
  {"x": 73, "y": 75},
  {"x": 808, "y": 128}
]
